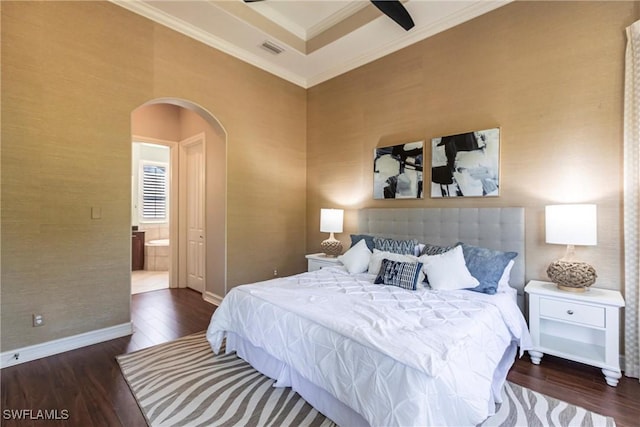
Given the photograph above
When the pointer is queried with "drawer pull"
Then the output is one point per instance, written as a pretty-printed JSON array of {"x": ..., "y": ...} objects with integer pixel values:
[{"x": 569, "y": 312}]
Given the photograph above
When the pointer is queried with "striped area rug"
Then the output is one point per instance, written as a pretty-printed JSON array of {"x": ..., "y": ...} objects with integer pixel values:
[
  {"x": 524, "y": 407},
  {"x": 183, "y": 384}
]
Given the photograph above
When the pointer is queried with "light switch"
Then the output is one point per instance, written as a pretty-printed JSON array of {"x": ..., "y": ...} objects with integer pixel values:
[{"x": 96, "y": 212}]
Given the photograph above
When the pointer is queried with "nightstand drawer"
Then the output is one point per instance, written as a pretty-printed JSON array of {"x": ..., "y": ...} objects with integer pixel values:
[{"x": 572, "y": 312}]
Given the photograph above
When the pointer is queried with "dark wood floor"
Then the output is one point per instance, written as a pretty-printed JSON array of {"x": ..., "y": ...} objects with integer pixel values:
[{"x": 88, "y": 384}]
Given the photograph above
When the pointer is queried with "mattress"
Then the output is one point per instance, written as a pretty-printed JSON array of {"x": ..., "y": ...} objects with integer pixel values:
[{"x": 394, "y": 357}]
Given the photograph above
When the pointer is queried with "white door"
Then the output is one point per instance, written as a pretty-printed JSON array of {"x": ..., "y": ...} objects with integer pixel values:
[{"x": 195, "y": 220}]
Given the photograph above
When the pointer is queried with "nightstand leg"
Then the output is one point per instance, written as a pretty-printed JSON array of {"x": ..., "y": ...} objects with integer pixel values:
[
  {"x": 611, "y": 377},
  {"x": 535, "y": 356}
]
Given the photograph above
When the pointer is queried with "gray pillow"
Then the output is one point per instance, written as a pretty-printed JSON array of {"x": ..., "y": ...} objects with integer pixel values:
[
  {"x": 355, "y": 238},
  {"x": 486, "y": 265}
]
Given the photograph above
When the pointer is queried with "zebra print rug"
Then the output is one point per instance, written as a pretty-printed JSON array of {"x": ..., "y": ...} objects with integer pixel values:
[{"x": 182, "y": 383}]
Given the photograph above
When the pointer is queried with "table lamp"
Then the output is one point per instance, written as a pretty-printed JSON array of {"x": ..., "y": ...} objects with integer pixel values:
[
  {"x": 331, "y": 222},
  {"x": 574, "y": 224}
]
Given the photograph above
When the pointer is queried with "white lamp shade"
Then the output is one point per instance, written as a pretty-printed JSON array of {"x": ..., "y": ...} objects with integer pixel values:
[
  {"x": 571, "y": 224},
  {"x": 331, "y": 220}
]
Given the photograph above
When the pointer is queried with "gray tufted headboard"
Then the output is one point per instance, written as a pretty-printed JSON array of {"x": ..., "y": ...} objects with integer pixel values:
[{"x": 495, "y": 228}]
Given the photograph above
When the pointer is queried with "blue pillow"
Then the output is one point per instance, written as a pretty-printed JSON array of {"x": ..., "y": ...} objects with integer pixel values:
[
  {"x": 355, "y": 238},
  {"x": 404, "y": 247},
  {"x": 486, "y": 265},
  {"x": 401, "y": 274}
]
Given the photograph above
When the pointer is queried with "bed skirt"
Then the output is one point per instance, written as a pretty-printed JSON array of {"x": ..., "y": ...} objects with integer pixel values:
[
  {"x": 319, "y": 398},
  {"x": 286, "y": 376}
]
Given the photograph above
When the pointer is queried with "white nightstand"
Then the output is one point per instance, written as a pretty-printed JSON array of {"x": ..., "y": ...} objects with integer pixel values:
[
  {"x": 579, "y": 326},
  {"x": 318, "y": 261}
]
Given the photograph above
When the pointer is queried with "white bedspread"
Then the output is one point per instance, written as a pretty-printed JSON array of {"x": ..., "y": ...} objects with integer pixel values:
[{"x": 397, "y": 357}]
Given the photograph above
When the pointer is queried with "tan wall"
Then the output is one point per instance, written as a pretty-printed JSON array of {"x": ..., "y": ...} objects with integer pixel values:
[
  {"x": 549, "y": 74},
  {"x": 72, "y": 73}
]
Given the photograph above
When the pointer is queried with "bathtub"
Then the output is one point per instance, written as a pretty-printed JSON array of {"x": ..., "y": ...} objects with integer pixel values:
[
  {"x": 159, "y": 242},
  {"x": 156, "y": 255}
]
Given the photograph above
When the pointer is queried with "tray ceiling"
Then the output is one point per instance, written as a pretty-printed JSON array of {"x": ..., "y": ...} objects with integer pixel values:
[{"x": 318, "y": 39}]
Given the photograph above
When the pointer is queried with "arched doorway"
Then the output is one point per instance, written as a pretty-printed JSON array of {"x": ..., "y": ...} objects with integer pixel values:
[{"x": 196, "y": 194}]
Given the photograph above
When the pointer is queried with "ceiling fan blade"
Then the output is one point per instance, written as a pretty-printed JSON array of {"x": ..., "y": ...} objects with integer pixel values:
[{"x": 396, "y": 11}]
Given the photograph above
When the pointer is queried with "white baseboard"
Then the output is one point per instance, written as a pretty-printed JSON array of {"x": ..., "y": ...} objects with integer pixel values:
[
  {"x": 49, "y": 348},
  {"x": 212, "y": 298}
]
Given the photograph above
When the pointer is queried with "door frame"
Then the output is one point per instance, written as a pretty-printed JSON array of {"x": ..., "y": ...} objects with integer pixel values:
[{"x": 198, "y": 138}]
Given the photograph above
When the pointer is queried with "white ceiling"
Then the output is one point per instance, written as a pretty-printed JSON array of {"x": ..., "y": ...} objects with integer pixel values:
[{"x": 321, "y": 39}]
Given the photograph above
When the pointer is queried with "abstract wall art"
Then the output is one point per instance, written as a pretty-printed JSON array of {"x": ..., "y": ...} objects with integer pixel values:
[
  {"x": 466, "y": 164},
  {"x": 397, "y": 171}
]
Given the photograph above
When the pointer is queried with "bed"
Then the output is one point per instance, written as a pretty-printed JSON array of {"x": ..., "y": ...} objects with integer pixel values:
[{"x": 365, "y": 353}]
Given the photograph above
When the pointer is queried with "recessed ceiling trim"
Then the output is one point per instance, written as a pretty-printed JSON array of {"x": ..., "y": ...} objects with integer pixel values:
[
  {"x": 411, "y": 37},
  {"x": 336, "y": 18},
  {"x": 241, "y": 10},
  {"x": 366, "y": 14},
  {"x": 182, "y": 27}
]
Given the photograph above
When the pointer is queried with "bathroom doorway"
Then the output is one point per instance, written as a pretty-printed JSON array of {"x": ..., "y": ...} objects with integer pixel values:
[
  {"x": 197, "y": 191},
  {"x": 151, "y": 214}
]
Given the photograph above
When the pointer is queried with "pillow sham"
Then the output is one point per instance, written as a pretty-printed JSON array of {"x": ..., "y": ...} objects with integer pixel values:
[
  {"x": 355, "y": 238},
  {"x": 401, "y": 274},
  {"x": 405, "y": 247},
  {"x": 486, "y": 265},
  {"x": 356, "y": 259},
  {"x": 448, "y": 271},
  {"x": 375, "y": 262}
]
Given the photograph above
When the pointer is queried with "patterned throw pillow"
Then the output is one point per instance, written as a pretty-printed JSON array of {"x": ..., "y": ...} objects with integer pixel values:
[
  {"x": 434, "y": 249},
  {"x": 405, "y": 247},
  {"x": 401, "y": 274}
]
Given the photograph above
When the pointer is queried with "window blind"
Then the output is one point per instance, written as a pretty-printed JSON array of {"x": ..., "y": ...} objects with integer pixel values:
[{"x": 154, "y": 192}]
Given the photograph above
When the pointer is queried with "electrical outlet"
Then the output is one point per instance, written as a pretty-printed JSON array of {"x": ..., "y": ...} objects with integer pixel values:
[
  {"x": 275, "y": 272},
  {"x": 38, "y": 320}
]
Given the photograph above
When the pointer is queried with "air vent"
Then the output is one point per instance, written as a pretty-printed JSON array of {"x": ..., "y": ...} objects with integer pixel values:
[{"x": 272, "y": 47}]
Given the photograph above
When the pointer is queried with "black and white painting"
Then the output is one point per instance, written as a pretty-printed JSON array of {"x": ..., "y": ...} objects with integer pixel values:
[
  {"x": 466, "y": 165},
  {"x": 397, "y": 171}
]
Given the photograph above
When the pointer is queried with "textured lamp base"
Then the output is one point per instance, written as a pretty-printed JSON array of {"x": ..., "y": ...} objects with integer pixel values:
[
  {"x": 331, "y": 247},
  {"x": 571, "y": 275}
]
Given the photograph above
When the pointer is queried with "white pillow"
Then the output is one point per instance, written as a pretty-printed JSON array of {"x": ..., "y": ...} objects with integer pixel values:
[
  {"x": 376, "y": 259},
  {"x": 503, "y": 283},
  {"x": 448, "y": 271},
  {"x": 356, "y": 259}
]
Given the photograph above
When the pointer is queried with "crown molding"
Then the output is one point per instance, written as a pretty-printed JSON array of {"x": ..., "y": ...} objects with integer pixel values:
[{"x": 182, "y": 27}]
